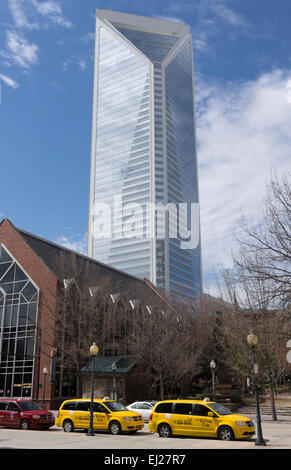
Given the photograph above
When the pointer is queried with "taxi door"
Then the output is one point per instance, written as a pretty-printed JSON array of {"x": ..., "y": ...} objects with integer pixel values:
[
  {"x": 82, "y": 415},
  {"x": 204, "y": 425},
  {"x": 182, "y": 418},
  {"x": 100, "y": 416}
]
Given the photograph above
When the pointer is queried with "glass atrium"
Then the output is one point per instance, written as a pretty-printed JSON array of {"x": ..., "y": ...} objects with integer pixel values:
[{"x": 18, "y": 320}]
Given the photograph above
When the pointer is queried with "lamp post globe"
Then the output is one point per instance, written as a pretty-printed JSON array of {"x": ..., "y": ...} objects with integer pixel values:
[
  {"x": 212, "y": 367},
  {"x": 94, "y": 349},
  {"x": 252, "y": 340}
]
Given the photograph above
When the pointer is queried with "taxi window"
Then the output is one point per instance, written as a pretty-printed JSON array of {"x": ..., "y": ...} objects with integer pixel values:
[
  {"x": 3, "y": 405},
  {"x": 220, "y": 409},
  {"x": 83, "y": 406},
  {"x": 164, "y": 408},
  {"x": 71, "y": 405},
  {"x": 99, "y": 408},
  {"x": 200, "y": 410},
  {"x": 115, "y": 406},
  {"x": 183, "y": 408}
]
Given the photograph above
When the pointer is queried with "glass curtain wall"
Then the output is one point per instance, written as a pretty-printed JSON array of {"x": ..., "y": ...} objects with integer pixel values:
[
  {"x": 18, "y": 321},
  {"x": 184, "y": 264},
  {"x": 122, "y": 159}
]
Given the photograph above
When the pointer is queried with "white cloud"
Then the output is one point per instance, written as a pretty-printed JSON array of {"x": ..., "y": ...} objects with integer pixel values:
[
  {"x": 27, "y": 14},
  {"x": 89, "y": 37},
  {"x": 200, "y": 44},
  {"x": 9, "y": 81},
  {"x": 230, "y": 16},
  {"x": 76, "y": 243},
  {"x": 243, "y": 132},
  {"x": 20, "y": 50},
  {"x": 48, "y": 8},
  {"x": 53, "y": 11},
  {"x": 76, "y": 60},
  {"x": 19, "y": 15},
  {"x": 82, "y": 64}
]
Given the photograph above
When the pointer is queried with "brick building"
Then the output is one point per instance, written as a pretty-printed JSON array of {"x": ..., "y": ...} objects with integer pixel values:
[{"x": 33, "y": 272}]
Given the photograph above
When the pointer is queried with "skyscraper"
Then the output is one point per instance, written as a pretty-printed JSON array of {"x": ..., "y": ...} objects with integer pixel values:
[{"x": 143, "y": 158}]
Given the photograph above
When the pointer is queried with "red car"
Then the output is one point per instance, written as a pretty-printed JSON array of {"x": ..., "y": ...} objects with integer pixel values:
[{"x": 24, "y": 414}]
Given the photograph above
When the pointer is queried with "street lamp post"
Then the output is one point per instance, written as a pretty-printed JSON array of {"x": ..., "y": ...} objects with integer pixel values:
[
  {"x": 252, "y": 342},
  {"x": 44, "y": 382},
  {"x": 93, "y": 352},
  {"x": 113, "y": 367},
  {"x": 212, "y": 366}
]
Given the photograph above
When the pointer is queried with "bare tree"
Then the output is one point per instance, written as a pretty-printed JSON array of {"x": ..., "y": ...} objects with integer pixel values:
[
  {"x": 170, "y": 340},
  {"x": 252, "y": 310},
  {"x": 265, "y": 249}
]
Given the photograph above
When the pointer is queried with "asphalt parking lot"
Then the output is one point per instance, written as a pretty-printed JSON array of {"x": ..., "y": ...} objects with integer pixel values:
[{"x": 277, "y": 435}]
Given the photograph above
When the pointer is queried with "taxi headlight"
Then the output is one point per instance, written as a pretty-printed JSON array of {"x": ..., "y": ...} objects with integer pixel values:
[
  {"x": 127, "y": 418},
  {"x": 241, "y": 423},
  {"x": 36, "y": 416}
]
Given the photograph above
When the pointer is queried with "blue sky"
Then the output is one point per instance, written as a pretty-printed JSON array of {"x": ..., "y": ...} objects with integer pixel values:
[{"x": 242, "y": 54}]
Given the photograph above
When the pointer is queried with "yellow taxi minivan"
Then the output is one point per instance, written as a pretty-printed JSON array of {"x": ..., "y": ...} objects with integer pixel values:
[
  {"x": 199, "y": 418},
  {"x": 108, "y": 415}
]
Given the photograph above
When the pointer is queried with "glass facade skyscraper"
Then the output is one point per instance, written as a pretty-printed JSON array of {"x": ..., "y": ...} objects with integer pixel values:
[{"x": 143, "y": 159}]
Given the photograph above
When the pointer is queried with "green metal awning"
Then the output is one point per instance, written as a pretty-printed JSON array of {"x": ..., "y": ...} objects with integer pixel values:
[{"x": 103, "y": 365}]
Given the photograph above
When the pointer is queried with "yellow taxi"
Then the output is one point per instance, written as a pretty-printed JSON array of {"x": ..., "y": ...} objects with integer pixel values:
[
  {"x": 199, "y": 418},
  {"x": 108, "y": 415}
]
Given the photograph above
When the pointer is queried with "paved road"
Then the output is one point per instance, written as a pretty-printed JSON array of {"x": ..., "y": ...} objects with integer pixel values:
[{"x": 277, "y": 435}]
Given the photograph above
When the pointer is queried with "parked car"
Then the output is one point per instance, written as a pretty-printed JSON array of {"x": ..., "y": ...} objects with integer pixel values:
[
  {"x": 143, "y": 407},
  {"x": 199, "y": 418},
  {"x": 108, "y": 415},
  {"x": 24, "y": 414}
]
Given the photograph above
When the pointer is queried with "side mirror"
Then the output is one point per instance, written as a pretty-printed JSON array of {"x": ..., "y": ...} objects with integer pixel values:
[{"x": 210, "y": 414}]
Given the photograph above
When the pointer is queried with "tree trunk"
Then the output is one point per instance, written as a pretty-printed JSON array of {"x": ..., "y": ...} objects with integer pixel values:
[
  {"x": 79, "y": 385},
  {"x": 272, "y": 398},
  {"x": 162, "y": 395}
]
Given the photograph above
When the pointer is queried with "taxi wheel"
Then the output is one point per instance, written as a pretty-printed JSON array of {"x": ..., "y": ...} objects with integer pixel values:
[
  {"x": 164, "y": 430},
  {"x": 225, "y": 433},
  {"x": 68, "y": 425},
  {"x": 24, "y": 424},
  {"x": 114, "y": 427}
]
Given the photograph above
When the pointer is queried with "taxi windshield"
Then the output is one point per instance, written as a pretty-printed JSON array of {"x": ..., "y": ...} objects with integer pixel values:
[
  {"x": 115, "y": 406},
  {"x": 220, "y": 409},
  {"x": 29, "y": 405}
]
